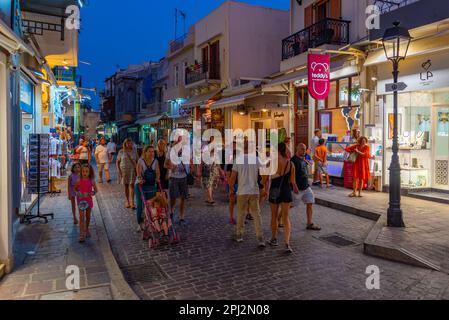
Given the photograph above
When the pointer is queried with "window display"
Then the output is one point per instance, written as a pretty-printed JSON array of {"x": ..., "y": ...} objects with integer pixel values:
[{"x": 336, "y": 157}]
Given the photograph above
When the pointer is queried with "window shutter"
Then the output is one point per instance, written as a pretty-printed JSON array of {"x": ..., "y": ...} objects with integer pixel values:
[
  {"x": 308, "y": 16},
  {"x": 335, "y": 9}
]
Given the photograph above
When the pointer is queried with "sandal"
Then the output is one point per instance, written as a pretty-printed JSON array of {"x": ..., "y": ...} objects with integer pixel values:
[
  {"x": 352, "y": 195},
  {"x": 313, "y": 227}
]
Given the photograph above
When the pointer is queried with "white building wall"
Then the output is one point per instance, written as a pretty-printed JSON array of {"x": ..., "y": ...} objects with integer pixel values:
[
  {"x": 255, "y": 38},
  {"x": 6, "y": 201}
]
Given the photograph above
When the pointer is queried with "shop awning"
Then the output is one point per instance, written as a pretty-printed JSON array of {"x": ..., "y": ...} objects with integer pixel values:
[
  {"x": 201, "y": 100},
  {"x": 149, "y": 120},
  {"x": 417, "y": 48},
  {"x": 287, "y": 78},
  {"x": 11, "y": 41},
  {"x": 233, "y": 100}
]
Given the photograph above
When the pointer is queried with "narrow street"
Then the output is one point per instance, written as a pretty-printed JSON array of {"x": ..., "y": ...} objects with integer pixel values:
[{"x": 207, "y": 264}]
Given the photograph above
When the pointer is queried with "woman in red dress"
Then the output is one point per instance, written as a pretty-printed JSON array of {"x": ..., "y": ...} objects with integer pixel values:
[{"x": 361, "y": 170}]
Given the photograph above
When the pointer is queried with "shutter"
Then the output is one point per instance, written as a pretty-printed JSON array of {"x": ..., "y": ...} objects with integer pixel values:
[
  {"x": 308, "y": 16},
  {"x": 335, "y": 9}
]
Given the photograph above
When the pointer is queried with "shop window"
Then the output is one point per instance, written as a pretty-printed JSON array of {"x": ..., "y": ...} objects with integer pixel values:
[
  {"x": 355, "y": 91},
  {"x": 343, "y": 95},
  {"x": 302, "y": 95},
  {"x": 332, "y": 99}
]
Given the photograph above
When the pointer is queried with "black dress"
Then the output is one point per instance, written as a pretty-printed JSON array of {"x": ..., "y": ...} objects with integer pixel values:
[
  {"x": 283, "y": 183},
  {"x": 163, "y": 171}
]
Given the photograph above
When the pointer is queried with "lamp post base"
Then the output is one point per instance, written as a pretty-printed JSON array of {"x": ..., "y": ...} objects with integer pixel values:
[{"x": 394, "y": 218}]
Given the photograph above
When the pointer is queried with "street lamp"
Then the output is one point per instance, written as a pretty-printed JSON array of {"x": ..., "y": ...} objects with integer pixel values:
[{"x": 396, "y": 42}]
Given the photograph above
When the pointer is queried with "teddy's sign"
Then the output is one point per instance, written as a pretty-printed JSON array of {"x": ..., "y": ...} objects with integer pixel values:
[{"x": 319, "y": 75}]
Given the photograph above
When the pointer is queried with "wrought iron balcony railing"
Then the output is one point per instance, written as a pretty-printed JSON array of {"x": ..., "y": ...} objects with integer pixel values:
[
  {"x": 203, "y": 71},
  {"x": 326, "y": 31},
  {"x": 390, "y": 5},
  {"x": 178, "y": 43}
]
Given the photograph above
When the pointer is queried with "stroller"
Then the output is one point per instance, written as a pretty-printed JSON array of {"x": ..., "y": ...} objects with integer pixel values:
[{"x": 153, "y": 231}]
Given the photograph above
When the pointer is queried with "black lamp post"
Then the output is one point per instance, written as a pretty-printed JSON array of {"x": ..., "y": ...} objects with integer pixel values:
[{"x": 396, "y": 42}]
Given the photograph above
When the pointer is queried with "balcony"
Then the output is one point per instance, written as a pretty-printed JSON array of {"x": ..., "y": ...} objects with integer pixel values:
[
  {"x": 432, "y": 15},
  {"x": 327, "y": 31},
  {"x": 202, "y": 72},
  {"x": 184, "y": 41},
  {"x": 386, "y": 6}
]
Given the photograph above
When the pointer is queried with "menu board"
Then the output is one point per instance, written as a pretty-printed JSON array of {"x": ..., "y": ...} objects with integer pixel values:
[{"x": 38, "y": 168}]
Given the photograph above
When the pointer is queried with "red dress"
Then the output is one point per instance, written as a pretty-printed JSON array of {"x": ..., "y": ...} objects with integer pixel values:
[{"x": 361, "y": 168}]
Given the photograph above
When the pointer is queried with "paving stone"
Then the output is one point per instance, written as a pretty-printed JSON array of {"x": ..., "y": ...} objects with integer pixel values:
[{"x": 208, "y": 265}]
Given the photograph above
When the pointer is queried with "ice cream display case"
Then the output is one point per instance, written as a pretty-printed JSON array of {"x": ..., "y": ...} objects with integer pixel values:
[{"x": 336, "y": 157}]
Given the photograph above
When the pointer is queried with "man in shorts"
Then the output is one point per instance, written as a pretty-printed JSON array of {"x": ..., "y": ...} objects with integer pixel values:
[
  {"x": 102, "y": 158},
  {"x": 177, "y": 185},
  {"x": 302, "y": 181}
]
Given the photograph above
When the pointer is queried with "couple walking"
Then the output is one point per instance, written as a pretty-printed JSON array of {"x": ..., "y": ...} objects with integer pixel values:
[{"x": 291, "y": 176}]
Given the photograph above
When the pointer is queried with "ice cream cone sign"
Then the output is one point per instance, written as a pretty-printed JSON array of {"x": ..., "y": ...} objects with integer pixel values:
[{"x": 319, "y": 76}]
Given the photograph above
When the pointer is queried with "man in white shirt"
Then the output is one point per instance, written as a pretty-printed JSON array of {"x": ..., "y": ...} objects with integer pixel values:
[
  {"x": 247, "y": 194},
  {"x": 102, "y": 158},
  {"x": 315, "y": 143},
  {"x": 112, "y": 150}
]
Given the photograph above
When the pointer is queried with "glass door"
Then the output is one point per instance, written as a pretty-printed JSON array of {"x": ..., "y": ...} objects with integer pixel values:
[{"x": 441, "y": 149}]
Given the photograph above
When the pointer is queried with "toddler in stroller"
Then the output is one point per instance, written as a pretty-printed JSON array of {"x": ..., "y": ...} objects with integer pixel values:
[{"x": 159, "y": 215}]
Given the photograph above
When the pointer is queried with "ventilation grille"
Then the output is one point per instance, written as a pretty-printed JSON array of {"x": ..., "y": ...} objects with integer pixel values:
[{"x": 442, "y": 172}]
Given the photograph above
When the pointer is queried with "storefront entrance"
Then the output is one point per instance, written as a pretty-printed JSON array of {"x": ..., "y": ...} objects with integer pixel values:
[{"x": 441, "y": 146}]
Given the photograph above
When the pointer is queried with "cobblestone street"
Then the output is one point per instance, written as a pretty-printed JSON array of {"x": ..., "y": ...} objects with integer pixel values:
[{"x": 207, "y": 264}]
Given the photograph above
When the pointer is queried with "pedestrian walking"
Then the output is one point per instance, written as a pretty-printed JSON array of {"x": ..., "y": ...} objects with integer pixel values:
[
  {"x": 148, "y": 178},
  {"x": 126, "y": 167},
  {"x": 112, "y": 150},
  {"x": 320, "y": 158},
  {"x": 82, "y": 150},
  {"x": 232, "y": 198},
  {"x": 71, "y": 192},
  {"x": 306, "y": 195},
  {"x": 315, "y": 143},
  {"x": 177, "y": 184},
  {"x": 246, "y": 170},
  {"x": 361, "y": 172},
  {"x": 280, "y": 196},
  {"x": 210, "y": 173},
  {"x": 161, "y": 156},
  {"x": 85, "y": 189},
  {"x": 102, "y": 158}
]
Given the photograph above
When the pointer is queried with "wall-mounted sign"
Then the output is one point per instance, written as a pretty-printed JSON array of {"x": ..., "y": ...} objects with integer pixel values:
[
  {"x": 278, "y": 115},
  {"x": 319, "y": 76}
]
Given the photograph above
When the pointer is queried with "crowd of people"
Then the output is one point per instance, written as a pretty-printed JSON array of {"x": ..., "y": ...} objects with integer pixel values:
[{"x": 152, "y": 176}]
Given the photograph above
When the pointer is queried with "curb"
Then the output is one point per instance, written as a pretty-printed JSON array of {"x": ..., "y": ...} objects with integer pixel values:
[
  {"x": 374, "y": 216},
  {"x": 393, "y": 253},
  {"x": 119, "y": 287},
  {"x": 370, "y": 247}
]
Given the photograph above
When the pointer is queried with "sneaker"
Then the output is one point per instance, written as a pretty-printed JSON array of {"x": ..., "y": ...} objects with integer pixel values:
[
  {"x": 288, "y": 249},
  {"x": 238, "y": 239},
  {"x": 273, "y": 242},
  {"x": 262, "y": 243},
  {"x": 249, "y": 217}
]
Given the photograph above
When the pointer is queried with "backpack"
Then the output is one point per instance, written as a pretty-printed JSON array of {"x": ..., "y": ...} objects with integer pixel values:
[{"x": 150, "y": 175}]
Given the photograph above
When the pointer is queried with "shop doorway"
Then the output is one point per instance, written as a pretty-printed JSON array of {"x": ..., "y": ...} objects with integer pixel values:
[
  {"x": 261, "y": 125},
  {"x": 441, "y": 147}
]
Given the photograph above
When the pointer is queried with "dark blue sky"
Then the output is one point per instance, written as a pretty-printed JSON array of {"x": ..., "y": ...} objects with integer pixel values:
[{"x": 117, "y": 32}]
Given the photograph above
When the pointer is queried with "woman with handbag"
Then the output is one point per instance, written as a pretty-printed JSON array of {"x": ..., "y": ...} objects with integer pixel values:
[
  {"x": 359, "y": 154},
  {"x": 126, "y": 167},
  {"x": 280, "y": 196},
  {"x": 148, "y": 178}
]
